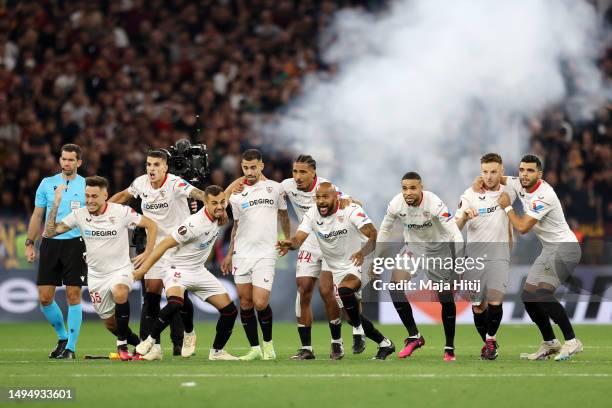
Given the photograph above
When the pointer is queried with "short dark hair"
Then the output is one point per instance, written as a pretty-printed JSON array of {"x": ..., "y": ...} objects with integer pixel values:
[
  {"x": 252, "y": 154},
  {"x": 158, "y": 154},
  {"x": 532, "y": 158},
  {"x": 97, "y": 181},
  {"x": 71, "y": 147},
  {"x": 213, "y": 190},
  {"x": 491, "y": 158},
  {"x": 412, "y": 175},
  {"x": 307, "y": 159}
]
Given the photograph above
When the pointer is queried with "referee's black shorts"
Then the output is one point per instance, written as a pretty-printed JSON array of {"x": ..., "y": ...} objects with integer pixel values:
[{"x": 62, "y": 262}]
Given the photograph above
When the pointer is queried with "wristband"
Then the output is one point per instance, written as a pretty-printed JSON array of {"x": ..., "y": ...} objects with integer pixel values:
[
  {"x": 508, "y": 209},
  {"x": 29, "y": 242}
]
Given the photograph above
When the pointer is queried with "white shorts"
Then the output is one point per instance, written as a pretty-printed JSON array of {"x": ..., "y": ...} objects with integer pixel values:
[
  {"x": 338, "y": 276},
  {"x": 160, "y": 268},
  {"x": 555, "y": 264},
  {"x": 100, "y": 289},
  {"x": 197, "y": 280},
  {"x": 256, "y": 271},
  {"x": 494, "y": 276},
  {"x": 310, "y": 263}
]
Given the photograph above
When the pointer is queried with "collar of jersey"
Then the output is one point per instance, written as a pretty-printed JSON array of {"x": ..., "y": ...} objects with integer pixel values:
[
  {"x": 537, "y": 185},
  {"x": 162, "y": 184},
  {"x": 208, "y": 215}
]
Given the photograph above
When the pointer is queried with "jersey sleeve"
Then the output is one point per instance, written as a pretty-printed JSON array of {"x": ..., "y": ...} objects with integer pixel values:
[
  {"x": 40, "y": 199},
  {"x": 182, "y": 188},
  {"x": 512, "y": 193},
  {"x": 132, "y": 218},
  {"x": 70, "y": 220},
  {"x": 235, "y": 209},
  {"x": 133, "y": 189},
  {"x": 359, "y": 218},
  {"x": 306, "y": 224},
  {"x": 514, "y": 184},
  {"x": 183, "y": 233},
  {"x": 540, "y": 207}
]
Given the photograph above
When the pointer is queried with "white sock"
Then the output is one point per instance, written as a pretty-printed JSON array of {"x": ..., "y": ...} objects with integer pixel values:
[
  {"x": 358, "y": 330},
  {"x": 309, "y": 348},
  {"x": 121, "y": 342},
  {"x": 490, "y": 337},
  {"x": 339, "y": 341},
  {"x": 416, "y": 336},
  {"x": 551, "y": 342},
  {"x": 384, "y": 343}
]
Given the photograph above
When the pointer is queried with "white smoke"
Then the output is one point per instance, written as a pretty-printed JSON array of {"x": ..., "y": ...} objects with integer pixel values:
[{"x": 431, "y": 85}]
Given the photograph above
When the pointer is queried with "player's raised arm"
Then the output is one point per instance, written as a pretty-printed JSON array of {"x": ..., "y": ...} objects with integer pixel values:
[
  {"x": 53, "y": 228},
  {"x": 121, "y": 197},
  {"x": 166, "y": 244}
]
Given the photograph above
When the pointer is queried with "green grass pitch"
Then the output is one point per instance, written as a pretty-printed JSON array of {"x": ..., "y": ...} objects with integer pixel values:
[{"x": 356, "y": 381}]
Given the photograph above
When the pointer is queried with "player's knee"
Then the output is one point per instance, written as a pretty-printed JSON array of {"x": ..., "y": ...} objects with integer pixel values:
[
  {"x": 326, "y": 291},
  {"x": 260, "y": 304},
  {"x": 154, "y": 286},
  {"x": 246, "y": 303},
  {"x": 46, "y": 298},
  {"x": 305, "y": 294},
  {"x": 73, "y": 297},
  {"x": 478, "y": 309}
]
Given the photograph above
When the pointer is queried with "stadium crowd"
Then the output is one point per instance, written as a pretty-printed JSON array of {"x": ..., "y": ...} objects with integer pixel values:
[{"x": 117, "y": 77}]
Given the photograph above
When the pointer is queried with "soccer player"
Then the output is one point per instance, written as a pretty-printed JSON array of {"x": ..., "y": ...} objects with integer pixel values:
[
  {"x": 164, "y": 200},
  {"x": 489, "y": 236},
  {"x": 300, "y": 191},
  {"x": 61, "y": 257},
  {"x": 194, "y": 238},
  {"x": 104, "y": 227},
  {"x": 560, "y": 254},
  {"x": 340, "y": 234},
  {"x": 251, "y": 256},
  {"x": 428, "y": 229}
]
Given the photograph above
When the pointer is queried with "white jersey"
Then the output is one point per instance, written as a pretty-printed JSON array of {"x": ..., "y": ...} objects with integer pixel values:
[
  {"x": 302, "y": 201},
  {"x": 106, "y": 237},
  {"x": 338, "y": 235},
  {"x": 489, "y": 232},
  {"x": 429, "y": 224},
  {"x": 166, "y": 205},
  {"x": 543, "y": 204},
  {"x": 196, "y": 237},
  {"x": 256, "y": 210}
]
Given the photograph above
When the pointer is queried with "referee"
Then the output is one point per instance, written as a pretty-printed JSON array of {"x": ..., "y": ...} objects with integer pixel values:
[{"x": 61, "y": 257}]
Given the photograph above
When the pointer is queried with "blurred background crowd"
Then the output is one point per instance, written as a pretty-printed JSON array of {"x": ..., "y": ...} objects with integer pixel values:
[{"x": 118, "y": 77}]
